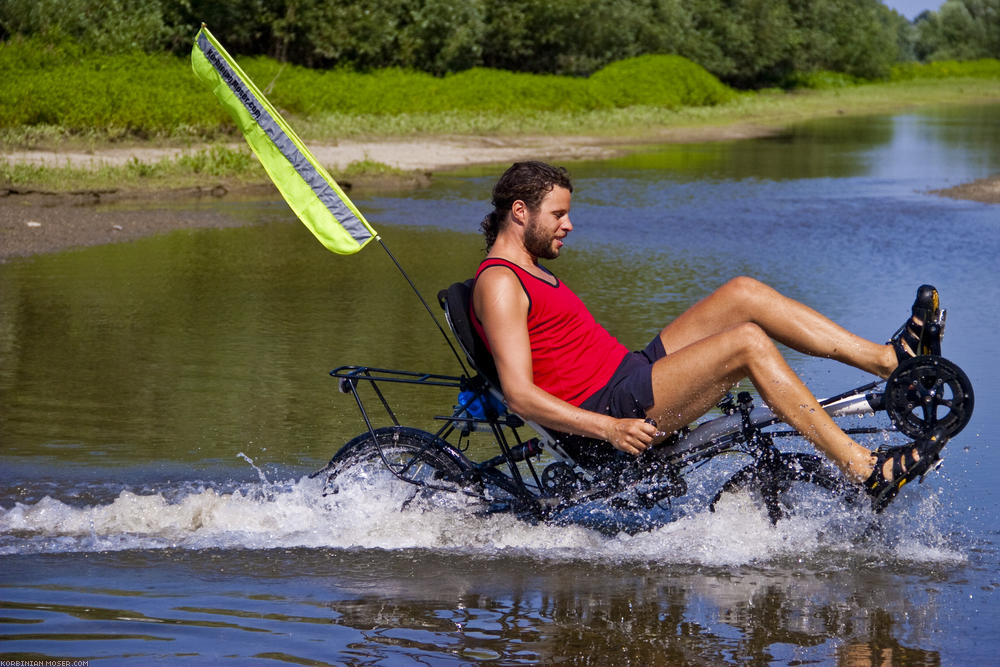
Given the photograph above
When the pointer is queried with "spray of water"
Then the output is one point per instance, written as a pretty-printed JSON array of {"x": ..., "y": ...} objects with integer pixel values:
[{"x": 366, "y": 513}]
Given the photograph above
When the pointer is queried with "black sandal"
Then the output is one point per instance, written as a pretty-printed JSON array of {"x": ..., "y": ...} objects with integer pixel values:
[
  {"x": 921, "y": 334},
  {"x": 881, "y": 490}
]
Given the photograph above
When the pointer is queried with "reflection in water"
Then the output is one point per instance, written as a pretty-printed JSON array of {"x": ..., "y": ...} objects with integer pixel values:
[{"x": 329, "y": 605}]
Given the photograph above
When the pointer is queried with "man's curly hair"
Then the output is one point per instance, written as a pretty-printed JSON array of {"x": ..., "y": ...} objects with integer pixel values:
[{"x": 526, "y": 181}]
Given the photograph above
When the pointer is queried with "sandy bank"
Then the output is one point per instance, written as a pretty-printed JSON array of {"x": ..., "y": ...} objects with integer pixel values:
[
  {"x": 986, "y": 190},
  {"x": 33, "y": 222},
  {"x": 407, "y": 155}
]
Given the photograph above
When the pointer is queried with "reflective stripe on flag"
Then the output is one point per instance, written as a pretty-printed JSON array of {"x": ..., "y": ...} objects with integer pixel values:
[{"x": 310, "y": 191}]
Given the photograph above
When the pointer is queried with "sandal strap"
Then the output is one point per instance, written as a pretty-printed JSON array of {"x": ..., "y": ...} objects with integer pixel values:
[
  {"x": 881, "y": 490},
  {"x": 913, "y": 339},
  {"x": 897, "y": 464}
]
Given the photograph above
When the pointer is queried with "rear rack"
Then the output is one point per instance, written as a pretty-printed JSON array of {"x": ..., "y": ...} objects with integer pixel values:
[{"x": 350, "y": 374}]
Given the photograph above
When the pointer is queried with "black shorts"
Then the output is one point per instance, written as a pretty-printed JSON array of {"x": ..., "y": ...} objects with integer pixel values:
[{"x": 629, "y": 392}]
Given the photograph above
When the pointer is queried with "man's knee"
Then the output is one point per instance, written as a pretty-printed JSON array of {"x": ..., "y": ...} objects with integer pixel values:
[
  {"x": 744, "y": 288},
  {"x": 753, "y": 340}
]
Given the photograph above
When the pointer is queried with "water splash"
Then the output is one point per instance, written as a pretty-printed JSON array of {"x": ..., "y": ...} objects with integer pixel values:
[
  {"x": 294, "y": 513},
  {"x": 260, "y": 473}
]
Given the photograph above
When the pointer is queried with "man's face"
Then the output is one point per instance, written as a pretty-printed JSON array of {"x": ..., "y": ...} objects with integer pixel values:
[{"x": 545, "y": 228}]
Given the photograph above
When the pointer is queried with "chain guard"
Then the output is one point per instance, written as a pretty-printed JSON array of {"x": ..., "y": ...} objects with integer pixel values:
[{"x": 927, "y": 393}]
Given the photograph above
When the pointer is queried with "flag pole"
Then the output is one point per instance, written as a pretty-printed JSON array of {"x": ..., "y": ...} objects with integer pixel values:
[
  {"x": 312, "y": 194},
  {"x": 423, "y": 301}
]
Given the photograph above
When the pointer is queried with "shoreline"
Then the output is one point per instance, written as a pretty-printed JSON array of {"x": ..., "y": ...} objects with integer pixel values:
[
  {"x": 36, "y": 222},
  {"x": 984, "y": 190}
]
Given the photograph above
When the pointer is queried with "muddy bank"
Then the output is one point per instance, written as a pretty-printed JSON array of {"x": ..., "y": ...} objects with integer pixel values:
[
  {"x": 986, "y": 190},
  {"x": 32, "y": 224},
  {"x": 33, "y": 221}
]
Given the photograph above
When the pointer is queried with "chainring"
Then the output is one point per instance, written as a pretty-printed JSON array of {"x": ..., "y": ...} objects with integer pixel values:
[{"x": 927, "y": 393}]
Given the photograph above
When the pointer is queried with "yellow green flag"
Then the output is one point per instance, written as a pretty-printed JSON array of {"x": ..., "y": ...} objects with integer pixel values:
[{"x": 308, "y": 188}]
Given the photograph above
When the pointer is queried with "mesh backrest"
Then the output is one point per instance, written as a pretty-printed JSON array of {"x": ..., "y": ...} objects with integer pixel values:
[{"x": 457, "y": 301}]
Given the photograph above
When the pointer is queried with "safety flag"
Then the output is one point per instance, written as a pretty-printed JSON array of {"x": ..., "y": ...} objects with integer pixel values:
[{"x": 308, "y": 188}]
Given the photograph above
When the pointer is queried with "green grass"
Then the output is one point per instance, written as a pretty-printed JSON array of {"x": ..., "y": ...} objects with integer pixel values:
[
  {"x": 986, "y": 68},
  {"x": 136, "y": 96},
  {"x": 221, "y": 163},
  {"x": 218, "y": 162},
  {"x": 59, "y": 97}
]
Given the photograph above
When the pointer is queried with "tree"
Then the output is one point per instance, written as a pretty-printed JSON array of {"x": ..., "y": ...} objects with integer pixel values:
[{"x": 960, "y": 30}]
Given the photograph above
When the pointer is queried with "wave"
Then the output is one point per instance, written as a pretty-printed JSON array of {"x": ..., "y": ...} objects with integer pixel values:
[{"x": 367, "y": 514}]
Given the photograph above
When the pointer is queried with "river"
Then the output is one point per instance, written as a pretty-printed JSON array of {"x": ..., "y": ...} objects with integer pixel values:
[{"x": 163, "y": 401}]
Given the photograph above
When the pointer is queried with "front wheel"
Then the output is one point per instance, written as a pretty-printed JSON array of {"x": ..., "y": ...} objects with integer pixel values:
[
  {"x": 780, "y": 482},
  {"x": 423, "y": 464}
]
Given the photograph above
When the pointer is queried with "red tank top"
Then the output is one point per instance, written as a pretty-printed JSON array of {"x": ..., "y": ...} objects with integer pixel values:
[{"x": 572, "y": 356}]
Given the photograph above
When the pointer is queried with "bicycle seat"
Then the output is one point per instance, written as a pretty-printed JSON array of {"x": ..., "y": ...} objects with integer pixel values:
[{"x": 456, "y": 301}]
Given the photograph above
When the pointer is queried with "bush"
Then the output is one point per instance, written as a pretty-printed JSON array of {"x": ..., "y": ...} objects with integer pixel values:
[
  {"x": 822, "y": 80},
  {"x": 659, "y": 81},
  {"x": 144, "y": 95},
  {"x": 663, "y": 81},
  {"x": 137, "y": 93},
  {"x": 986, "y": 68}
]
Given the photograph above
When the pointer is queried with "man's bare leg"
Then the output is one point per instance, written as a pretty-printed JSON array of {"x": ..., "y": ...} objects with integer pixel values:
[
  {"x": 690, "y": 381},
  {"x": 787, "y": 321}
]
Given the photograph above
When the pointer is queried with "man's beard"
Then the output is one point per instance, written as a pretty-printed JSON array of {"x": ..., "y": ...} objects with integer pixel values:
[{"x": 536, "y": 242}]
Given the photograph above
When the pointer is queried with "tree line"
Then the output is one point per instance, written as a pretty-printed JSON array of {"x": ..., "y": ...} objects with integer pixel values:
[{"x": 745, "y": 43}]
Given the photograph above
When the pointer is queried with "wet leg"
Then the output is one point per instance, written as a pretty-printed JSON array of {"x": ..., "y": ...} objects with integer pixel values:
[
  {"x": 689, "y": 382},
  {"x": 746, "y": 300}
]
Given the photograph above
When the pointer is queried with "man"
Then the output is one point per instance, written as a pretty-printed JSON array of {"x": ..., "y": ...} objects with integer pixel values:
[{"x": 561, "y": 369}]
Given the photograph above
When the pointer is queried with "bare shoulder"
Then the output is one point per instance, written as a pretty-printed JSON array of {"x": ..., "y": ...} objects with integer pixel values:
[{"x": 499, "y": 290}]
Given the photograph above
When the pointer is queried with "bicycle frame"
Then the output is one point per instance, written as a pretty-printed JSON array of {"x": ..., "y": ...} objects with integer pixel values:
[
  {"x": 740, "y": 428},
  {"x": 912, "y": 397}
]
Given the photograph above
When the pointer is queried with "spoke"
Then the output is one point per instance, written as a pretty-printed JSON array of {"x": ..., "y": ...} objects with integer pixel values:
[{"x": 930, "y": 415}]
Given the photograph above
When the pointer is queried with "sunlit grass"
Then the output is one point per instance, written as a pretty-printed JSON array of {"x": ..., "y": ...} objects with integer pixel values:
[
  {"x": 219, "y": 163},
  {"x": 774, "y": 108}
]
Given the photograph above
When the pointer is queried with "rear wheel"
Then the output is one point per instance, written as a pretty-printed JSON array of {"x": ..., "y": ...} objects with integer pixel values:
[
  {"x": 784, "y": 481},
  {"x": 397, "y": 455}
]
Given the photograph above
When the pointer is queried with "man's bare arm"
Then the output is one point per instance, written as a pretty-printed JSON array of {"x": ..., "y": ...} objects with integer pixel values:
[{"x": 502, "y": 307}]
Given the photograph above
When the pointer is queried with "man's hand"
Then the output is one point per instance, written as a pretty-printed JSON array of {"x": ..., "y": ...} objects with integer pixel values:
[{"x": 632, "y": 436}]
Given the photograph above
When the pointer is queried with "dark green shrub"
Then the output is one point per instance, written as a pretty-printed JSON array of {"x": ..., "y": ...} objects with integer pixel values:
[{"x": 660, "y": 81}]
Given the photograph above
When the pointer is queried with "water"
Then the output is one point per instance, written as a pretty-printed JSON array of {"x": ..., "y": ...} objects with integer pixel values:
[{"x": 164, "y": 400}]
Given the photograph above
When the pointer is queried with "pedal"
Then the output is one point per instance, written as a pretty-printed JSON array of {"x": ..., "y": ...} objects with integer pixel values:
[{"x": 728, "y": 404}]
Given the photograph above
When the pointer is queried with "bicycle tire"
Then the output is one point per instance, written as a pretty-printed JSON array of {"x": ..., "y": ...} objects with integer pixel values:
[
  {"x": 409, "y": 455},
  {"x": 773, "y": 482}
]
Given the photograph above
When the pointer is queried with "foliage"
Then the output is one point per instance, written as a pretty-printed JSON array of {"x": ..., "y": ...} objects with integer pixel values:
[
  {"x": 960, "y": 30},
  {"x": 986, "y": 68},
  {"x": 822, "y": 80},
  {"x": 745, "y": 43},
  {"x": 102, "y": 25},
  {"x": 662, "y": 81},
  {"x": 135, "y": 94},
  {"x": 140, "y": 94}
]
